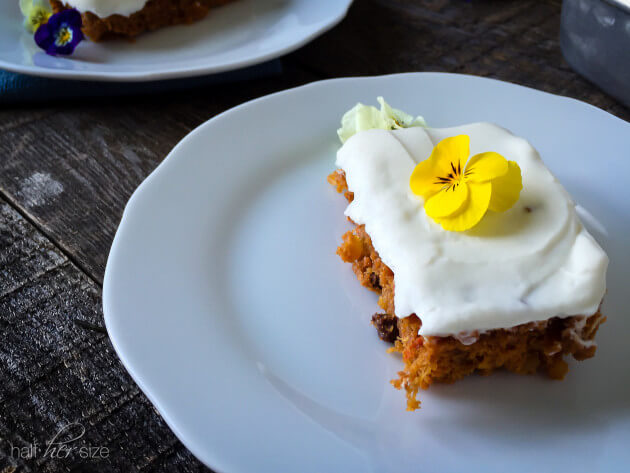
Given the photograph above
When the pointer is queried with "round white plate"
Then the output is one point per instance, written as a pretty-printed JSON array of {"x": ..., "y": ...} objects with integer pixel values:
[
  {"x": 225, "y": 300},
  {"x": 236, "y": 35}
]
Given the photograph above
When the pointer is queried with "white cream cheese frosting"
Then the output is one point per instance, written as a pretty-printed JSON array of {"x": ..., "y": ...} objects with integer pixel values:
[
  {"x": 531, "y": 263},
  {"x": 105, "y": 8}
]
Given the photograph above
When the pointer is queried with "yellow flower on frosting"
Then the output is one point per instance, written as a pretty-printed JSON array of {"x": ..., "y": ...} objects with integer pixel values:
[
  {"x": 36, "y": 13},
  {"x": 458, "y": 191}
]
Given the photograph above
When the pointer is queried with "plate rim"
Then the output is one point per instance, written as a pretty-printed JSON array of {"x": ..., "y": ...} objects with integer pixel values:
[
  {"x": 179, "y": 72},
  {"x": 216, "y": 464}
]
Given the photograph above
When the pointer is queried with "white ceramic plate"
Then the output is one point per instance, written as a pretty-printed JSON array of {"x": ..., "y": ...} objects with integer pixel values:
[
  {"x": 240, "y": 34},
  {"x": 225, "y": 300}
]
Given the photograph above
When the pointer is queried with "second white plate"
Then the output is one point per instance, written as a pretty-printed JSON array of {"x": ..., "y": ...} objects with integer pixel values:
[{"x": 236, "y": 35}]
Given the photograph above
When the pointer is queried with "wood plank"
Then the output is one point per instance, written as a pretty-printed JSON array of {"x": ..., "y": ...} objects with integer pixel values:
[
  {"x": 511, "y": 40},
  {"x": 9, "y": 119},
  {"x": 73, "y": 171},
  {"x": 23, "y": 253},
  {"x": 56, "y": 372}
]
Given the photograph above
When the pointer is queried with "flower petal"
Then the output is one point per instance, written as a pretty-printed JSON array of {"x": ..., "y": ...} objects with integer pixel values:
[
  {"x": 358, "y": 118},
  {"x": 25, "y": 7},
  {"x": 453, "y": 150},
  {"x": 447, "y": 155},
  {"x": 486, "y": 166},
  {"x": 423, "y": 180},
  {"x": 35, "y": 12},
  {"x": 365, "y": 117},
  {"x": 472, "y": 211},
  {"x": 506, "y": 189},
  {"x": 398, "y": 118},
  {"x": 448, "y": 201},
  {"x": 44, "y": 37}
]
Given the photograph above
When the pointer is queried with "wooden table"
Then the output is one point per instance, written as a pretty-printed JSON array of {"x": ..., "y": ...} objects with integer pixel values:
[{"x": 67, "y": 170}]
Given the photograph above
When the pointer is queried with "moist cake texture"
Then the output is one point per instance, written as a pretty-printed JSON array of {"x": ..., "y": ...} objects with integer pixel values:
[
  {"x": 107, "y": 19},
  {"x": 476, "y": 342},
  {"x": 524, "y": 349}
]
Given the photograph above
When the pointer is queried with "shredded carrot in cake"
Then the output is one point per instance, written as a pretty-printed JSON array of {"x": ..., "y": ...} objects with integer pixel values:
[{"x": 523, "y": 349}]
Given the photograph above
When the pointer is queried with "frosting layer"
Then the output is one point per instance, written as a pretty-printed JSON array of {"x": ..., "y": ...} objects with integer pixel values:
[
  {"x": 533, "y": 262},
  {"x": 105, "y": 8}
]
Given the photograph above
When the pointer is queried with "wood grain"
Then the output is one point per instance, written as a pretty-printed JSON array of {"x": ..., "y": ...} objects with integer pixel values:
[
  {"x": 56, "y": 371},
  {"x": 515, "y": 41},
  {"x": 67, "y": 170},
  {"x": 72, "y": 171}
]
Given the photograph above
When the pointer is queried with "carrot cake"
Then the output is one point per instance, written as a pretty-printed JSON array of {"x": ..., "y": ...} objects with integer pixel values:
[
  {"x": 475, "y": 248},
  {"x": 106, "y": 19}
]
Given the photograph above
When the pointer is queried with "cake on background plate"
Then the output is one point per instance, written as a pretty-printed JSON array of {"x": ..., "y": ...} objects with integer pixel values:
[
  {"x": 475, "y": 248},
  {"x": 107, "y": 19}
]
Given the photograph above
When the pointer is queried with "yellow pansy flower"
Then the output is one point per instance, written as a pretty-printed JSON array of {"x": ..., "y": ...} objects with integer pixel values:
[
  {"x": 36, "y": 13},
  {"x": 458, "y": 191}
]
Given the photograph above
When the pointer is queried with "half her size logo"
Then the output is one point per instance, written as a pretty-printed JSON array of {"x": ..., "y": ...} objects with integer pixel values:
[{"x": 66, "y": 443}]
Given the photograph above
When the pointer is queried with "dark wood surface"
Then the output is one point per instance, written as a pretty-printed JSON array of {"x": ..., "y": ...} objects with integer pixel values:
[{"x": 67, "y": 170}]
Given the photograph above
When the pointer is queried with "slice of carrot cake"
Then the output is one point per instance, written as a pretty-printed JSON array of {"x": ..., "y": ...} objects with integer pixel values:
[
  {"x": 106, "y": 19},
  {"x": 475, "y": 248}
]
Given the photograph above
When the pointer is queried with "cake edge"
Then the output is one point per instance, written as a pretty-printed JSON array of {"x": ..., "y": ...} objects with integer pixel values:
[{"x": 154, "y": 15}]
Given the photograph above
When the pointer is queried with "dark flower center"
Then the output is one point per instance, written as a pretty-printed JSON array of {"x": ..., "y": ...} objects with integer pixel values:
[
  {"x": 39, "y": 17},
  {"x": 452, "y": 179},
  {"x": 64, "y": 35}
]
